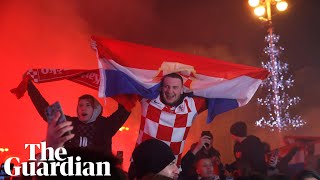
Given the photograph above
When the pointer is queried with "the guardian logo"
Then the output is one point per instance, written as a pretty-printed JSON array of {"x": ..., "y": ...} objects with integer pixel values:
[{"x": 52, "y": 164}]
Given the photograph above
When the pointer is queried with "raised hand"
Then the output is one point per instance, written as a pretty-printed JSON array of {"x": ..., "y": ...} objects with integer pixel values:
[
  {"x": 202, "y": 144},
  {"x": 55, "y": 133}
]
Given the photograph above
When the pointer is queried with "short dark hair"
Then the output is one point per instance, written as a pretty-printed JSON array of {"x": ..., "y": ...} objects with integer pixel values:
[
  {"x": 87, "y": 96},
  {"x": 172, "y": 75},
  {"x": 200, "y": 156},
  {"x": 239, "y": 129}
]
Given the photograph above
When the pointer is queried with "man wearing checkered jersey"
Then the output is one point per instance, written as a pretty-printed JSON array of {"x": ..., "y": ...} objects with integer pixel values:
[
  {"x": 168, "y": 123},
  {"x": 169, "y": 116}
]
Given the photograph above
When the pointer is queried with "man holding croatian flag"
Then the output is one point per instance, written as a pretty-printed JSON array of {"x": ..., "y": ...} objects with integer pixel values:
[{"x": 172, "y": 87}]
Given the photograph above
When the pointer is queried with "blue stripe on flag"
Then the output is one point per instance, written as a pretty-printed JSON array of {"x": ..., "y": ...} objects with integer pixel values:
[
  {"x": 217, "y": 106},
  {"x": 118, "y": 82}
]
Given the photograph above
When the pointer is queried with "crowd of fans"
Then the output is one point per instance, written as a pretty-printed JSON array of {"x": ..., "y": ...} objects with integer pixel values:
[{"x": 156, "y": 155}]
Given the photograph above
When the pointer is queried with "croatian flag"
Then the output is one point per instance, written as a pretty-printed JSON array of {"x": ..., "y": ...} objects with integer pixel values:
[{"x": 128, "y": 68}]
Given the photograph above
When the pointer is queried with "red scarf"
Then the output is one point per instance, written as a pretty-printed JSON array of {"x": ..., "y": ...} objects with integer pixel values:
[{"x": 89, "y": 78}]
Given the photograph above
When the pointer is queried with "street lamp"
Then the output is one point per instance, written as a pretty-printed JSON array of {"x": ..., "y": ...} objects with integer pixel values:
[
  {"x": 261, "y": 5},
  {"x": 277, "y": 101}
]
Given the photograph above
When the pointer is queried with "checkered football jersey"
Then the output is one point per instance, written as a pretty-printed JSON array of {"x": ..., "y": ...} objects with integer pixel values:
[{"x": 169, "y": 124}]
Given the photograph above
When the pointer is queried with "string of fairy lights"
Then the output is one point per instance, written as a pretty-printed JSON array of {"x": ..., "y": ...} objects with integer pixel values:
[{"x": 277, "y": 101}]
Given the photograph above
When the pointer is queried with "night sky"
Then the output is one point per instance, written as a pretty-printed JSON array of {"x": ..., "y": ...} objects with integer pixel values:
[{"x": 56, "y": 34}]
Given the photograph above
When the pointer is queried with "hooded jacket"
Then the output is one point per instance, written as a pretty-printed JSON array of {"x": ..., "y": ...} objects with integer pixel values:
[{"x": 94, "y": 135}]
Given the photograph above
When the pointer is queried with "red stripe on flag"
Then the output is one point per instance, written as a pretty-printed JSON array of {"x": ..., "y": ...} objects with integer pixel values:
[{"x": 145, "y": 57}]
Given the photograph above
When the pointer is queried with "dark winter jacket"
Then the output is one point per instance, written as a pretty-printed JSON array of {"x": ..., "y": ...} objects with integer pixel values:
[{"x": 95, "y": 135}]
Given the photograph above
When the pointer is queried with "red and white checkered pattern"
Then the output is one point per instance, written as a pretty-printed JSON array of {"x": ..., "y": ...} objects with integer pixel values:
[
  {"x": 34, "y": 74},
  {"x": 169, "y": 124}
]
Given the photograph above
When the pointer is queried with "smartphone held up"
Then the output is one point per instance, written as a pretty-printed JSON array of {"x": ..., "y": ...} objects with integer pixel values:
[{"x": 51, "y": 113}]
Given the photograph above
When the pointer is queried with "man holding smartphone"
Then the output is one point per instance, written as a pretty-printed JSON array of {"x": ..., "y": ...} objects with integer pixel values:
[
  {"x": 55, "y": 133},
  {"x": 202, "y": 149},
  {"x": 90, "y": 130}
]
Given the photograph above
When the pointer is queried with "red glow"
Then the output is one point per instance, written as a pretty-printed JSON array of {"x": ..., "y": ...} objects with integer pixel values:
[
  {"x": 44, "y": 35},
  {"x": 48, "y": 34}
]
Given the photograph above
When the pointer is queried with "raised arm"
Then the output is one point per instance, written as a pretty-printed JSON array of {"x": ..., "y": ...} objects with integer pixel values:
[
  {"x": 187, "y": 165},
  {"x": 117, "y": 119},
  {"x": 56, "y": 132},
  {"x": 125, "y": 104},
  {"x": 37, "y": 99},
  {"x": 201, "y": 104}
]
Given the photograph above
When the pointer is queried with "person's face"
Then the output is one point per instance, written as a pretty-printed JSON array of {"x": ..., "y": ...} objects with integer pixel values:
[
  {"x": 172, "y": 89},
  {"x": 84, "y": 109},
  {"x": 170, "y": 171},
  {"x": 205, "y": 168}
]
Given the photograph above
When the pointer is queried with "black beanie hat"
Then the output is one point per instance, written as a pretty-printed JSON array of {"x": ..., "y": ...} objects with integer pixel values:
[
  {"x": 239, "y": 129},
  {"x": 151, "y": 156}
]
